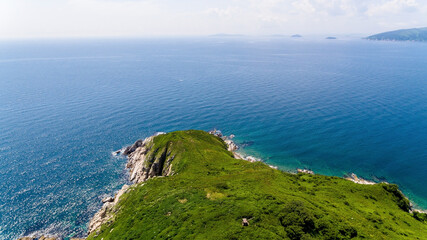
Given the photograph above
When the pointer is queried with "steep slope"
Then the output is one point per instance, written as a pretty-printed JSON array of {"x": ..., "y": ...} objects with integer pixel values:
[{"x": 207, "y": 193}]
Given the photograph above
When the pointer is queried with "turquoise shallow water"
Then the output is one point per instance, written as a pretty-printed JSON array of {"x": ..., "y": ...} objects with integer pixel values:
[{"x": 332, "y": 106}]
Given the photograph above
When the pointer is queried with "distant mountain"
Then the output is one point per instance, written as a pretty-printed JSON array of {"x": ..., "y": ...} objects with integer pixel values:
[
  {"x": 331, "y": 38},
  {"x": 413, "y": 34},
  {"x": 296, "y": 36}
]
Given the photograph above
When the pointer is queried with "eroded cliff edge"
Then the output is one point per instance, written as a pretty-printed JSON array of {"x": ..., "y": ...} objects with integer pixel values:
[
  {"x": 142, "y": 164},
  {"x": 208, "y": 192}
]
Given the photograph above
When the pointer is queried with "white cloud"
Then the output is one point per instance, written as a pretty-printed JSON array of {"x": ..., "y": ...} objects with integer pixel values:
[
  {"x": 86, "y": 18},
  {"x": 393, "y": 7},
  {"x": 222, "y": 12},
  {"x": 303, "y": 6}
]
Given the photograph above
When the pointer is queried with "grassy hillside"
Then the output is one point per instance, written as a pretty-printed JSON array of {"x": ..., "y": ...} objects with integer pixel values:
[
  {"x": 413, "y": 34},
  {"x": 211, "y": 192}
]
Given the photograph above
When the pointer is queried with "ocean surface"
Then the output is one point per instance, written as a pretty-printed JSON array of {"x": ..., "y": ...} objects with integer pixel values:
[{"x": 333, "y": 106}]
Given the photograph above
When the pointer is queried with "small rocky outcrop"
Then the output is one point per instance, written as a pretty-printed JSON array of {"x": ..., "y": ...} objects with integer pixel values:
[
  {"x": 306, "y": 171},
  {"x": 130, "y": 149},
  {"x": 144, "y": 163},
  {"x": 47, "y": 238},
  {"x": 107, "y": 199},
  {"x": 231, "y": 145},
  {"x": 354, "y": 178},
  {"x": 107, "y": 211},
  {"x": 216, "y": 132}
]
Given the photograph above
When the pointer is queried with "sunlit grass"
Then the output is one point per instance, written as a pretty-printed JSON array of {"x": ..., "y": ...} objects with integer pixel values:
[{"x": 211, "y": 192}]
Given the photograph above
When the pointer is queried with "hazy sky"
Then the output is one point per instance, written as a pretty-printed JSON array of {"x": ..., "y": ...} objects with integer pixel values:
[{"x": 129, "y": 18}]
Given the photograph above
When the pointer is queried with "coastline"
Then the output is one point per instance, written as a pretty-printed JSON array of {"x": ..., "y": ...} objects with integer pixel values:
[
  {"x": 233, "y": 147},
  {"x": 138, "y": 174},
  {"x": 135, "y": 154}
]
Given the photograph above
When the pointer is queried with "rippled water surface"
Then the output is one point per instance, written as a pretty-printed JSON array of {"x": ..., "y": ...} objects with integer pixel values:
[{"x": 332, "y": 106}]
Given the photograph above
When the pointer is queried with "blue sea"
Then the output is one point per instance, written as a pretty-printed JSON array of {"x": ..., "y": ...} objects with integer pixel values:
[{"x": 333, "y": 106}]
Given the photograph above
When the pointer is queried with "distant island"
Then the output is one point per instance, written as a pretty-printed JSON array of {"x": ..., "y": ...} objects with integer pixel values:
[
  {"x": 331, "y": 38},
  {"x": 296, "y": 36},
  {"x": 413, "y": 34}
]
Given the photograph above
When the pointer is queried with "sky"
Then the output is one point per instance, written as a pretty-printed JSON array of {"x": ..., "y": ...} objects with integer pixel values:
[{"x": 148, "y": 18}]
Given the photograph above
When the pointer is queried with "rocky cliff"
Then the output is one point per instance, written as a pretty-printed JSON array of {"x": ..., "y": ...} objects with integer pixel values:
[
  {"x": 144, "y": 163},
  {"x": 210, "y": 194},
  {"x": 201, "y": 188}
]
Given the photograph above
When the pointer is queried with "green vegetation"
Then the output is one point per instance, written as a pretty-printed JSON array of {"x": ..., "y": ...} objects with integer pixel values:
[
  {"x": 211, "y": 192},
  {"x": 414, "y": 34}
]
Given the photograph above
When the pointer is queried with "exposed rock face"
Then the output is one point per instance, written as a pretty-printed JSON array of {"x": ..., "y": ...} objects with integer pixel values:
[
  {"x": 47, "y": 238},
  {"x": 107, "y": 211},
  {"x": 107, "y": 199},
  {"x": 41, "y": 238},
  {"x": 215, "y": 132},
  {"x": 130, "y": 149},
  {"x": 354, "y": 178},
  {"x": 143, "y": 163},
  {"x": 252, "y": 159},
  {"x": 305, "y": 171},
  {"x": 231, "y": 145}
]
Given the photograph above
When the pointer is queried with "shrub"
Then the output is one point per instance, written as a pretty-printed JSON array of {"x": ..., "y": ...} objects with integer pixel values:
[
  {"x": 422, "y": 217},
  {"x": 400, "y": 199},
  {"x": 297, "y": 220}
]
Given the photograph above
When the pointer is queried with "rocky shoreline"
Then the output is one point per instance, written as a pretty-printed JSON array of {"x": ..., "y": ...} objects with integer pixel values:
[
  {"x": 143, "y": 166},
  {"x": 140, "y": 171},
  {"x": 354, "y": 178},
  {"x": 46, "y": 238}
]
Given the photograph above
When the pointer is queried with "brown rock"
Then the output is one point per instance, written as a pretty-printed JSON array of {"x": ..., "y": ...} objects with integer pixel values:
[
  {"x": 107, "y": 199},
  {"x": 107, "y": 211},
  {"x": 231, "y": 146},
  {"x": 47, "y": 238},
  {"x": 141, "y": 167}
]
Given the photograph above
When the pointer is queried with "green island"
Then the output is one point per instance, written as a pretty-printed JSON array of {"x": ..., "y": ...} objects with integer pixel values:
[
  {"x": 194, "y": 188},
  {"x": 413, "y": 34}
]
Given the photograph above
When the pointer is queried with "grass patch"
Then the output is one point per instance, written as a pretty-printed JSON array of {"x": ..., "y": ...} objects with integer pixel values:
[{"x": 211, "y": 192}]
